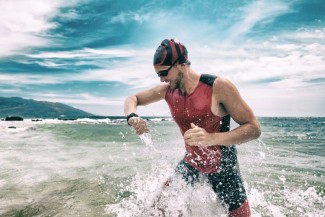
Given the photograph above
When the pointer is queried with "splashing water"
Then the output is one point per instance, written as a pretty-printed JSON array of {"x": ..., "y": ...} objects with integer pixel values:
[
  {"x": 286, "y": 202},
  {"x": 146, "y": 139},
  {"x": 283, "y": 172},
  {"x": 151, "y": 198}
]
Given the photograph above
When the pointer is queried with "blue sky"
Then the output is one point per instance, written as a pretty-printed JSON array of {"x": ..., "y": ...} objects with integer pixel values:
[{"x": 92, "y": 54}]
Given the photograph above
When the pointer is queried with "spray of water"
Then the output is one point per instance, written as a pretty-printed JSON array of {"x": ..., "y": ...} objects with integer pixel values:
[
  {"x": 150, "y": 197},
  {"x": 146, "y": 139}
]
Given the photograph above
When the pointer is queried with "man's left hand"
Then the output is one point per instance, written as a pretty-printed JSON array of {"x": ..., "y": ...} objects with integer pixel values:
[{"x": 197, "y": 136}]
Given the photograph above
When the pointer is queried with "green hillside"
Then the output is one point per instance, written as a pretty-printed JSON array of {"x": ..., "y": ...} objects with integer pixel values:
[{"x": 28, "y": 108}]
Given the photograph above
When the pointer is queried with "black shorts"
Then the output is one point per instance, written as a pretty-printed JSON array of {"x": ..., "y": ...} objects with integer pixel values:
[{"x": 227, "y": 184}]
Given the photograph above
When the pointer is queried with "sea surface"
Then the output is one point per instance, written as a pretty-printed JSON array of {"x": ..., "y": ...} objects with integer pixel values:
[{"x": 90, "y": 167}]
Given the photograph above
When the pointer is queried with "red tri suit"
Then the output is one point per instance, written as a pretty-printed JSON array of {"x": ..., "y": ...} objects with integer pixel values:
[
  {"x": 218, "y": 163},
  {"x": 196, "y": 108}
]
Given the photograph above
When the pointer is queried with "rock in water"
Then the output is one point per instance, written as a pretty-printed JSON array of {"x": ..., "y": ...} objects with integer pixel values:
[{"x": 14, "y": 118}]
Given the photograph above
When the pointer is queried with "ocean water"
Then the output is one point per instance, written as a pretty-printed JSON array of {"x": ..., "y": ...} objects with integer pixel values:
[{"x": 101, "y": 168}]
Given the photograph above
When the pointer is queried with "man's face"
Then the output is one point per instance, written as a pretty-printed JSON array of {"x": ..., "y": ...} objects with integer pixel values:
[{"x": 173, "y": 77}]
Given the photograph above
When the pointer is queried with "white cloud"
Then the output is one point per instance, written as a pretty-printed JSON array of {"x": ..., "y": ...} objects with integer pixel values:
[
  {"x": 29, "y": 79},
  {"x": 137, "y": 71},
  {"x": 10, "y": 90},
  {"x": 50, "y": 64},
  {"x": 27, "y": 16},
  {"x": 70, "y": 15},
  {"x": 23, "y": 22},
  {"x": 309, "y": 34},
  {"x": 125, "y": 17},
  {"x": 80, "y": 99},
  {"x": 258, "y": 11},
  {"x": 86, "y": 53},
  {"x": 13, "y": 42}
]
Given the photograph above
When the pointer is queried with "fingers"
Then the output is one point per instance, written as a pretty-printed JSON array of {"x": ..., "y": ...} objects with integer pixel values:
[
  {"x": 191, "y": 135},
  {"x": 193, "y": 130},
  {"x": 195, "y": 136},
  {"x": 139, "y": 125}
]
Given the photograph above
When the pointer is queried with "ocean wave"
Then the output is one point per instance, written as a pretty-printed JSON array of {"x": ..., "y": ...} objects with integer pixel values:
[{"x": 26, "y": 124}]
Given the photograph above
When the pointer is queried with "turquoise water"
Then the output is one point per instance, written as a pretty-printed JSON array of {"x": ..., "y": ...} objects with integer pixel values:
[{"x": 101, "y": 168}]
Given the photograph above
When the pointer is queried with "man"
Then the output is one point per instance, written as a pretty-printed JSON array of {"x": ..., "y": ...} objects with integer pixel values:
[{"x": 202, "y": 106}]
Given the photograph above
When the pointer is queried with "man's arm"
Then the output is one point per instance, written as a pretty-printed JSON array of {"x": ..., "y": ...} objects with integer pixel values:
[
  {"x": 225, "y": 93},
  {"x": 143, "y": 98},
  {"x": 240, "y": 112}
]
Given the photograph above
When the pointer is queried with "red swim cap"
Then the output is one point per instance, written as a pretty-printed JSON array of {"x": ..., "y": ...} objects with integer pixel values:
[{"x": 169, "y": 51}]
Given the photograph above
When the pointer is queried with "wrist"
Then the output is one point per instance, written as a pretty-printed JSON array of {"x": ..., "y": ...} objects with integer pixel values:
[
  {"x": 212, "y": 139},
  {"x": 130, "y": 116}
]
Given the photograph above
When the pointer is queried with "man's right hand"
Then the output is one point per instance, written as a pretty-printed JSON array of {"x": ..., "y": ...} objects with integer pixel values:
[{"x": 139, "y": 125}]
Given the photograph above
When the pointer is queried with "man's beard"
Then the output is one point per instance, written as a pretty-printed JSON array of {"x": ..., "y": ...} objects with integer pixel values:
[{"x": 178, "y": 82}]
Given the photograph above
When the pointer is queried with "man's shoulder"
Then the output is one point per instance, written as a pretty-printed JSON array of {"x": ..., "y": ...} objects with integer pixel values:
[
  {"x": 219, "y": 84},
  {"x": 213, "y": 80},
  {"x": 208, "y": 79},
  {"x": 224, "y": 88}
]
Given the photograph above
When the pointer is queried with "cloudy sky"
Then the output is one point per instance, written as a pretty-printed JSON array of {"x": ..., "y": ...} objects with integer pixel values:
[{"x": 92, "y": 54}]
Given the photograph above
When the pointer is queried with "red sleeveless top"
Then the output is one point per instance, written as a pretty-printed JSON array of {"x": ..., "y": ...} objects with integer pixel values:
[{"x": 196, "y": 108}]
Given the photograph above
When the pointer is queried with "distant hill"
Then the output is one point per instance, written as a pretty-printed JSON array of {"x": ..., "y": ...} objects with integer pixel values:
[{"x": 28, "y": 108}]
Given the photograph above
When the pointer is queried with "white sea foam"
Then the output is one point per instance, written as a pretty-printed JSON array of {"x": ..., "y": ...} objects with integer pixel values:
[
  {"x": 30, "y": 156},
  {"x": 23, "y": 125},
  {"x": 291, "y": 201},
  {"x": 151, "y": 198},
  {"x": 161, "y": 119}
]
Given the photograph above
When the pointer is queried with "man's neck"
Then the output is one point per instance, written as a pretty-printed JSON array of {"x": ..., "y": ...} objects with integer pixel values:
[{"x": 189, "y": 82}]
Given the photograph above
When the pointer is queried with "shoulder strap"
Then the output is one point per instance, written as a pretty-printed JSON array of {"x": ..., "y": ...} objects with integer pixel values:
[{"x": 208, "y": 79}]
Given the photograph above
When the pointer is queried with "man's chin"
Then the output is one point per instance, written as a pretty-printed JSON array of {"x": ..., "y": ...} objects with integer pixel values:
[{"x": 172, "y": 86}]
